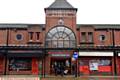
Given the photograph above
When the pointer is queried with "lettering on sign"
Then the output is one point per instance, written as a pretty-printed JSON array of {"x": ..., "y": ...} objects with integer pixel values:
[{"x": 60, "y": 55}]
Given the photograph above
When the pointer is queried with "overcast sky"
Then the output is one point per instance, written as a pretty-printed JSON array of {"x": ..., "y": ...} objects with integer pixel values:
[{"x": 32, "y": 11}]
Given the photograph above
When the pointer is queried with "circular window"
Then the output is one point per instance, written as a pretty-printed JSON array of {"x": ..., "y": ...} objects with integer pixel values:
[
  {"x": 102, "y": 37},
  {"x": 19, "y": 37}
]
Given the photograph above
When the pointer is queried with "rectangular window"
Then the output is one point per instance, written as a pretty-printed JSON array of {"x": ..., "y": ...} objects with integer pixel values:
[
  {"x": 20, "y": 64},
  {"x": 83, "y": 37},
  {"x": 37, "y": 35},
  {"x": 30, "y": 35},
  {"x": 95, "y": 66},
  {"x": 90, "y": 37}
]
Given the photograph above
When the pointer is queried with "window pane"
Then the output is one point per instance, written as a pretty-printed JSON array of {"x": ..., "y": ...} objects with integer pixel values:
[
  {"x": 53, "y": 31},
  {"x": 49, "y": 35},
  {"x": 48, "y": 38},
  {"x": 83, "y": 37},
  {"x": 60, "y": 44},
  {"x": 56, "y": 35},
  {"x": 48, "y": 43},
  {"x": 90, "y": 37},
  {"x": 60, "y": 29},
  {"x": 54, "y": 43},
  {"x": 66, "y": 38},
  {"x": 30, "y": 35},
  {"x": 66, "y": 44},
  {"x": 64, "y": 35},
  {"x": 19, "y": 64},
  {"x": 68, "y": 31},
  {"x": 54, "y": 38},
  {"x": 60, "y": 34},
  {"x": 38, "y": 35},
  {"x": 72, "y": 37},
  {"x": 72, "y": 43},
  {"x": 104, "y": 62}
]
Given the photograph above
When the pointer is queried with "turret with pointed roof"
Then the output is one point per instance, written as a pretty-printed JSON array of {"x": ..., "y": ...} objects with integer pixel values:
[
  {"x": 61, "y": 4},
  {"x": 60, "y": 12}
]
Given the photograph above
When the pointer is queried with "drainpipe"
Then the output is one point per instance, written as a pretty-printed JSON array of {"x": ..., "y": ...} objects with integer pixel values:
[
  {"x": 6, "y": 51},
  {"x": 44, "y": 64},
  {"x": 115, "y": 55}
]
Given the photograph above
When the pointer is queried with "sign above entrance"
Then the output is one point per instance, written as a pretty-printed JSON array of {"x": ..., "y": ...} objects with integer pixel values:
[{"x": 60, "y": 55}]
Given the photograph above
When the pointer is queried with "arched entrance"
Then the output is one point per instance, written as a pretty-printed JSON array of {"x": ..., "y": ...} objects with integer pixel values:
[
  {"x": 60, "y": 37},
  {"x": 57, "y": 38}
]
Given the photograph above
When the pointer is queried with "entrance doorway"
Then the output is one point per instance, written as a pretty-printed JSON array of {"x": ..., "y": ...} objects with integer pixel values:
[{"x": 60, "y": 62}]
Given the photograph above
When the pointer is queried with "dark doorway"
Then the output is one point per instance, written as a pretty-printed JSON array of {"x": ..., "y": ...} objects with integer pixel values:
[{"x": 58, "y": 62}]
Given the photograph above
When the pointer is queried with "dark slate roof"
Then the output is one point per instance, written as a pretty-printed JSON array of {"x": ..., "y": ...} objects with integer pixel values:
[
  {"x": 9, "y": 25},
  {"x": 61, "y": 4},
  {"x": 100, "y": 26},
  {"x": 96, "y": 26}
]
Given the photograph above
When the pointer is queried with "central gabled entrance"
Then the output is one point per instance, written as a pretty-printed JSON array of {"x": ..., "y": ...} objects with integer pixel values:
[{"x": 59, "y": 61}]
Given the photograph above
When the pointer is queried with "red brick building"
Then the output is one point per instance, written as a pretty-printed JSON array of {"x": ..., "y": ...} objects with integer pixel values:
[{"x": 36, "y": 48}]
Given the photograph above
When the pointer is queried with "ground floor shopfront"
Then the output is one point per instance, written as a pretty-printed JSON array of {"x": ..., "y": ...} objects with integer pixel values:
[
  {"x": 88, "y": 63},
  {"x": 22, "y": 62},
  {"x": 96, "y": 63},
  {"x": 21, "y": 65},
  {"x": 59, "y": 58}
]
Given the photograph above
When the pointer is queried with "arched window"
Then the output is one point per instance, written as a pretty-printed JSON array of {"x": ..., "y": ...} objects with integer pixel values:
[{"x": 60, "y": 37}]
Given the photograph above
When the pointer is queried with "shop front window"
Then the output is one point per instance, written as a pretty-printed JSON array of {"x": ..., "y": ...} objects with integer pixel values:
[
  {"x": 60, "y": 37},
  {"x": 19, "y": 64},
  {"x": 95, "y": 66}
]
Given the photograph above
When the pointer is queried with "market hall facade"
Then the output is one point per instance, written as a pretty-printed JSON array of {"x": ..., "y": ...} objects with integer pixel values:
[{"x": 35, "y": 48}]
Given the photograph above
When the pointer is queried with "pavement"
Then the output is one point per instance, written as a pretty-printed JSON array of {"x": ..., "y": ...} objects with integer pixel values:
[{"x": 32, "y": 77}]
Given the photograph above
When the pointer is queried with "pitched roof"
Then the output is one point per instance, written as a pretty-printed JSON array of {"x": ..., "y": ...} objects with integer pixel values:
[
  {"x": 19, "y": 25},
  {"x": 61, "y": 4},
  {"x": 100, "y": 26},
  {"x": 13, "y": 26}
]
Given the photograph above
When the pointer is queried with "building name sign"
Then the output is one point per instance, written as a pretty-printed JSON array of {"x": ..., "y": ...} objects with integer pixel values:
[{"x": 60, "y": 55}]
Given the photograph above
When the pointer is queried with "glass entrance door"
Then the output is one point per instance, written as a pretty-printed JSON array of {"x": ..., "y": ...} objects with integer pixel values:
[{"x": 60, "y": 64}]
